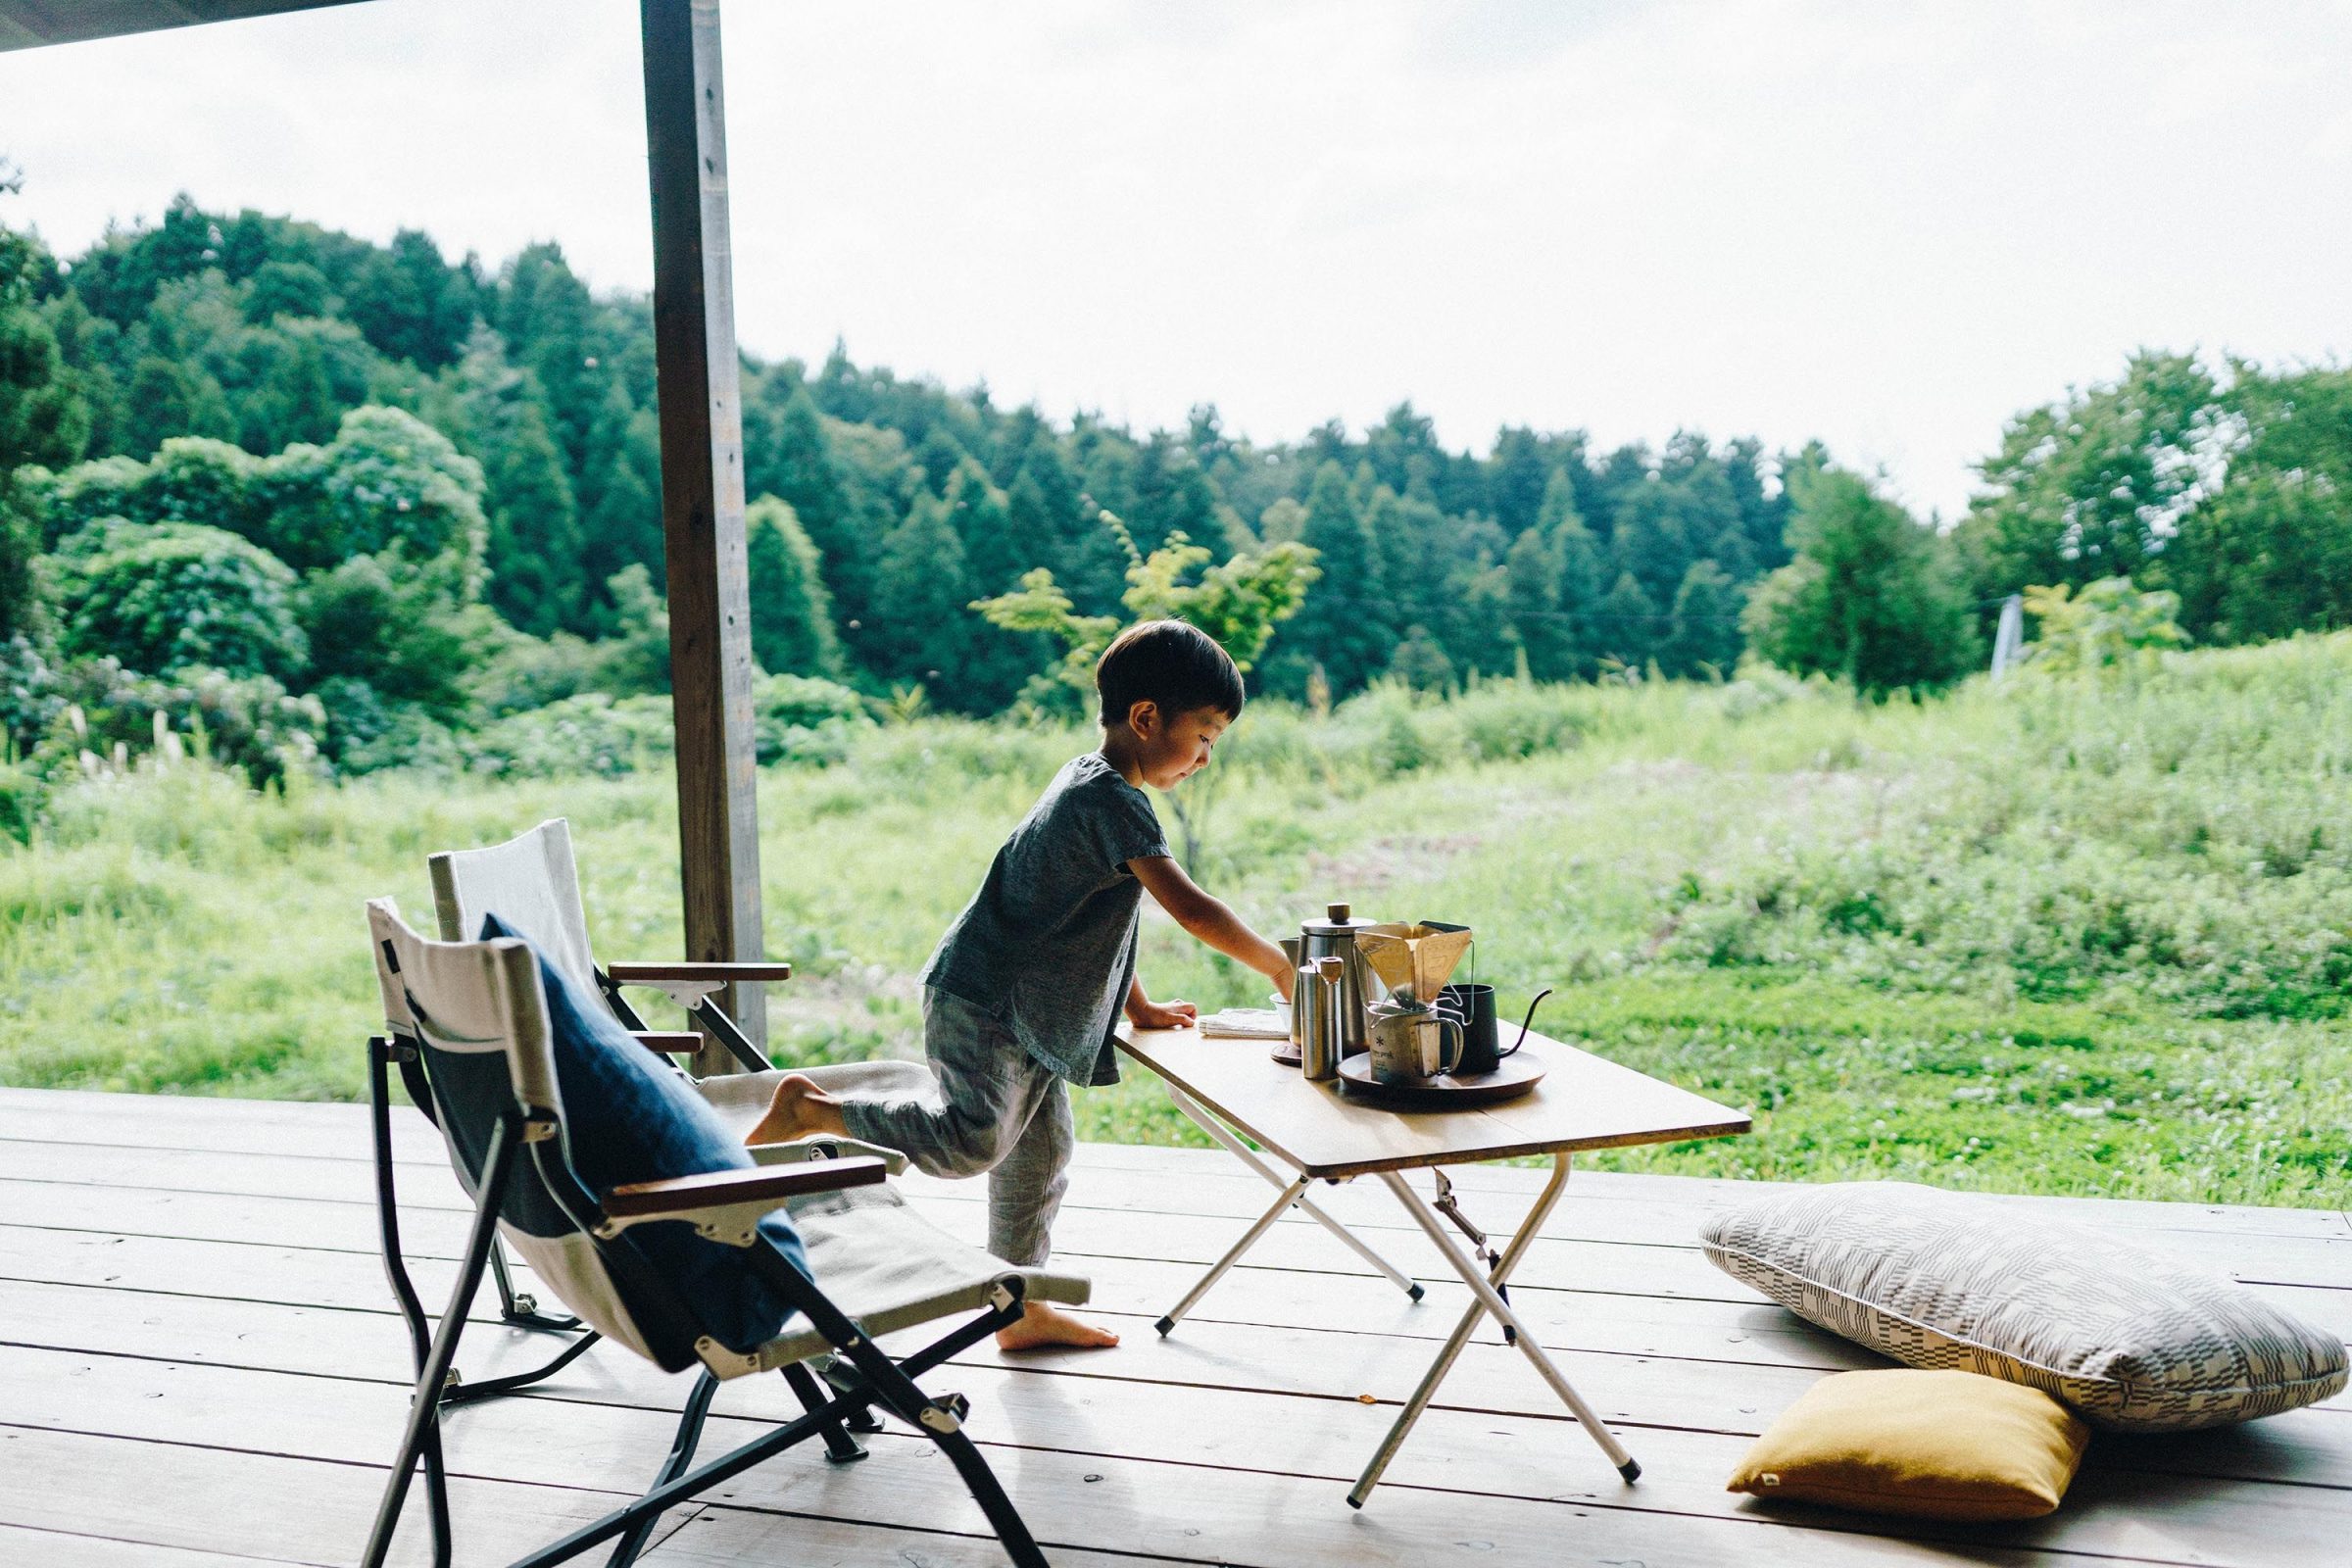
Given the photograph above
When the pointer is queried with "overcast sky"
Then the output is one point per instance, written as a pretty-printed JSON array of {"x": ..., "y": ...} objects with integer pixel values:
[{"x": 1889, "y": 225}]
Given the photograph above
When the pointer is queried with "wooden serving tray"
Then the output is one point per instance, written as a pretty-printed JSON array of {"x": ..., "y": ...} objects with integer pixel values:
[{"x": 1519, "y": 1073}]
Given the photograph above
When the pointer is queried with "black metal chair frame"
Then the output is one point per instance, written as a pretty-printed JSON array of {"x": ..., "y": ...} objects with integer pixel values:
[{"x": 862, "y": 1380}]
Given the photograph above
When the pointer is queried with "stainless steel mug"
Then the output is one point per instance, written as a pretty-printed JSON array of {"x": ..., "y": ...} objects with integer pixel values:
[{"x": 1408, "y": 1045}]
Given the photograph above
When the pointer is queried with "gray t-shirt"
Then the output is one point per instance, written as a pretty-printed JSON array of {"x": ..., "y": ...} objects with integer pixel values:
[{"x": 1047, "y": 944}]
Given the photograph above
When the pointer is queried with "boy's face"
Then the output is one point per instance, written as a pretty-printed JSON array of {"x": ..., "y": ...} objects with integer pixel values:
[{"x": 1171, "y": 750}]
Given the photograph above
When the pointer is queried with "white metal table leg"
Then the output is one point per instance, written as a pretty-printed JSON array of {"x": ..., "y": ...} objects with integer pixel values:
[
  {"x": 1233, "y": 1254},
  {"x": 1208, "y": 1123},
  {"x": 1489, "y": 1300},
  {"x": 1460, "y": 1336}
]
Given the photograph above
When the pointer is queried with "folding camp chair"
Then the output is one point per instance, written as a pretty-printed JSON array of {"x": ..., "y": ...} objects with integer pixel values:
[{"x": 471, "y": 1019}]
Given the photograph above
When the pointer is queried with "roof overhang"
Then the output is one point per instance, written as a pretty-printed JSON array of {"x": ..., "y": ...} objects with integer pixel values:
[{"x": 30, "y": 23}]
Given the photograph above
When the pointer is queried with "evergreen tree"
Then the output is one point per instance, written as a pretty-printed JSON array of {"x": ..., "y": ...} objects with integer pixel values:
[
  {"x": 546, "y": 323},
  {"x": 1704, "y": 634},
  {"x": 620, "y": 513},
  {"x": 411, "y": 303},
  {"x": 1410, "y": 537},
  {"x": 1532, "y": 573},
  {"x": 1343, "y": 624},
  {"x": 792, "y": 619},
  {"x": 1582, "y": 575},
  {"x": 1871, "y": 596},
  {"x": 536, "y": 579},
  {"x": 1763, "y": 517},
  {"x": 923, "y": 618},
  {"x": 939, "y": 457},
  {"x": 536, "y": 576},
  {"x": 1421, "y": 664},
  {"x": 1477, "y": 635},
  {"x": 1518, "y": 477},
  {"x": 1001, "y": 661},
  {"x": 162, "y": 405},
  {"x": 1626, "y": 623},
  {"x": 1651, "y": 540},
  {"x": 298, "y": 404},
  {"x": 811, "y": 478}
]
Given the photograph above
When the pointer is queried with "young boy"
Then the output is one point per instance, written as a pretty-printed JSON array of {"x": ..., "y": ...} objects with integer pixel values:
[{"x": 1025, "y": 988}]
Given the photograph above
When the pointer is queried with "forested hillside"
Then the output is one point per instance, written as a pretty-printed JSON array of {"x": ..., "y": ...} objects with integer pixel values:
[{"x": 378, "y": 499}]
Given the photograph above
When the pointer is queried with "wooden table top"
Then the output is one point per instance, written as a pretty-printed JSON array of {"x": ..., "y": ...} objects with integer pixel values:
[{"x": 1585, "y": 1102}]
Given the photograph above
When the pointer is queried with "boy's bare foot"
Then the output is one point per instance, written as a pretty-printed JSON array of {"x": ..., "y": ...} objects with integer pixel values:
[
  {"x": 798, "y": 1109},
  {"x": 1042, "y": 1326}
]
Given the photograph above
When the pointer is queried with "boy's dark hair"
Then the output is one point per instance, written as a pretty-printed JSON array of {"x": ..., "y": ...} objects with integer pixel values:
[{"x": 1180, "y": 668}]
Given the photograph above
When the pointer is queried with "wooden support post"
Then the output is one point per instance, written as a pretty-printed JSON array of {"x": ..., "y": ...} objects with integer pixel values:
[{"x": 702, "y": 498}]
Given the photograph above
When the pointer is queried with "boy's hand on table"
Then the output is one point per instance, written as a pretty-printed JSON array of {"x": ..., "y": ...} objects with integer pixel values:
[{"x": 1162, "y": 1014}]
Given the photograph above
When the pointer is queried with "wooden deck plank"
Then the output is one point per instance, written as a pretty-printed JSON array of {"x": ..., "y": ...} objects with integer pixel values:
[
  {"x": 277, "y": 1508},
  {"x": 48, "y": 1548}
]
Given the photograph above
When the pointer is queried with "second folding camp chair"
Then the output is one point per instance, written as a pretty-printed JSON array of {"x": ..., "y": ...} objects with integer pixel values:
[
  {"x": 533, "y": 882},
  {"x": 541, "y": 1101}
]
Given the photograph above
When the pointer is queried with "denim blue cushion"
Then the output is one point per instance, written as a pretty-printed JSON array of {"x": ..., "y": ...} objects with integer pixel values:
[{"x": 629, "y": 1116}]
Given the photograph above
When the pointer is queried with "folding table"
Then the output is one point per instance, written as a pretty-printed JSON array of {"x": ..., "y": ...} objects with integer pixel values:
[{"x": 1240, "y": 1095}]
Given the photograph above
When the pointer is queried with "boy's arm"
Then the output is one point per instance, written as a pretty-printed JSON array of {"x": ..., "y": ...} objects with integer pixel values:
[{"x": 1209, "y": 920}]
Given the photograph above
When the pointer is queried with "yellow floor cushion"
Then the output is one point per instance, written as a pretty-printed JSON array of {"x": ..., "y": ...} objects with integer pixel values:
[{"x": 1928, "y": 1445}]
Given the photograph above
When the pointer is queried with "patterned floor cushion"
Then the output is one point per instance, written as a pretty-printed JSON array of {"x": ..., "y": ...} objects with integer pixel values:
[{"x": 2129, "y": 1338}]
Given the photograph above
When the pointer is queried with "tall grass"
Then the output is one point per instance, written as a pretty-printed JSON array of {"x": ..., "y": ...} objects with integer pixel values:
[{"x": 2033, "y": 937}]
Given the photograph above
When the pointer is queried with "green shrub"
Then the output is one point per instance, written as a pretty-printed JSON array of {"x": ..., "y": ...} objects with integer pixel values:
[
  {"x": 163, "y": 597},
  {"x": 591, "y": 735}
]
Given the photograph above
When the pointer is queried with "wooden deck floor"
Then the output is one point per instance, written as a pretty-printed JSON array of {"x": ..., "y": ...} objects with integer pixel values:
[{"x": 199, "y": 1367}]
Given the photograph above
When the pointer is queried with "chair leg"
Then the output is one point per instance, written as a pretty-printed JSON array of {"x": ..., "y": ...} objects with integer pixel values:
[
  {"x": 840, "y": 1447},
  {"x": 942, "y": 1421},
  {"x": 458, "y": 1392},
  {"x": 681, "y": 1455},
  {"x": 518, "y": 1309},
  {"x": 423, "y": 1435}
]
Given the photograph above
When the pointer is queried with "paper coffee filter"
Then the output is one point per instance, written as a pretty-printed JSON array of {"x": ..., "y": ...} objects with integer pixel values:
[{"x": 1412, "y": 958}]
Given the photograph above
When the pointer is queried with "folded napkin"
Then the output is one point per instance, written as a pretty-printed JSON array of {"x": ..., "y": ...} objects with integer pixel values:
[{"x": 1246, "y": 1024}]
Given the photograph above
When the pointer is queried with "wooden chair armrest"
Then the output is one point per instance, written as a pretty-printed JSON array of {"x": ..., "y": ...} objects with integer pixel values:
[
  {"x": 669, "y": 1042},
  {"x": 683, "y": 1196},
  {"x": 641, "y": 974}
]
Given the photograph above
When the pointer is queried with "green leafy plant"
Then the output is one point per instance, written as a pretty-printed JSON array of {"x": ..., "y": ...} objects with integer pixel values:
[
  {"x": 1238, "y": 602},
  {"x": 2109, "y": 627}
]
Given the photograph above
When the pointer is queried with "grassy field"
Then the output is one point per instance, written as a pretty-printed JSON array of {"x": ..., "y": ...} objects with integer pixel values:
[{"x": 2049, "y": 938}]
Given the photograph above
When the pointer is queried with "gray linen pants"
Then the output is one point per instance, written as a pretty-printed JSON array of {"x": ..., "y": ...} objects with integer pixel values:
[{"x": 992, "y": 1107}]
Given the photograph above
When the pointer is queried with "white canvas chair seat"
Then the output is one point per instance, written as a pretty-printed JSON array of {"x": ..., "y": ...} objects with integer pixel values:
[{"x": 889, "y": 1268}]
